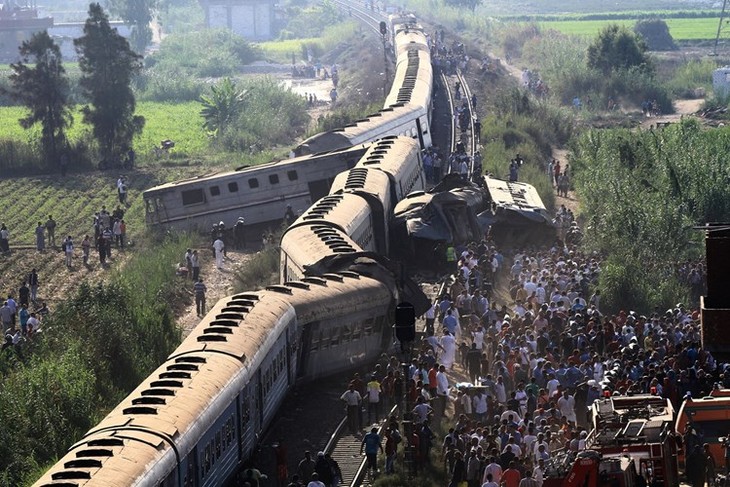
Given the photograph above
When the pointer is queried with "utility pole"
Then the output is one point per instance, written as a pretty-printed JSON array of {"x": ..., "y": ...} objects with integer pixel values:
[
  {"x": 384, "y": 36},
  {"x": 719, "y": 27}
]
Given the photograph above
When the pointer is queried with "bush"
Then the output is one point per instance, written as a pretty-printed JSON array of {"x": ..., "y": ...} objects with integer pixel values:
[
  {"x": 272, "y": 115},
  {"x": 691, "y": 76},
  {"x": 260, "y": 271},
  {"x": 655, "y": 33}
]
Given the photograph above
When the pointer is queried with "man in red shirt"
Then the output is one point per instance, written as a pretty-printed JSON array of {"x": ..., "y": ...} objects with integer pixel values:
[{"x": 511, "y": 477}]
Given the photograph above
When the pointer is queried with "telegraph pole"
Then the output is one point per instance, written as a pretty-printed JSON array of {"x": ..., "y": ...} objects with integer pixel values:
[
  {"x": 384, "y": 36},
  {"x": 719, "y": 27}
]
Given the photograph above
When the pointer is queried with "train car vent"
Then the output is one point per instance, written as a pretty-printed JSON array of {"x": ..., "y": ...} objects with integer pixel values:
[
  {"x": 315, "y": 280},
  {"x": 106, "y": 442},
  {"x": 191, "y": 359},
  {"x": 212, "y": 338},
  {"x": 229, "y": 316},
  {"x": 297, "y": 284},
  {"x": 190, "y": 367},
  {"x": 149, "y": 400},
  {"x": 61, "y": 484},
  {"x": 139, "y": 410},
  {"x": 166, "y": 383},
  {"x": 387, "y": 138},
  {"x": 230, "y": 323},
  {"x": 351, "y": 274},
  {"x": 175, "y": 375},
  {"x": 251, "y": 297},
  {"x": 279, "y": 289},
  {"x": 158, "y": 392},
  {"x": 71, "y": 474},
  {"x": 333, "y": 277},
  {"x": 83, "y": 463},
  {"x": 236, "y": 309},
  {"x": 218, "y": 329},
  {"x": 94, "y": 452}
]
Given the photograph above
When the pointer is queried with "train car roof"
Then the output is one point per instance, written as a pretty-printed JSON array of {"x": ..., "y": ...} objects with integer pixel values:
[
  {"x": 342, "y": 210},
  {"x": 413, "y": 76},
  {"x": 308, "y": 244},
  {"x": 362, "y": 179},
  {"x": 516, "y": 203},
  {"x": 388, "y": 154},
  {"x": 238, "y": 326},
  {"x": 350, "y": 291},
  {"x": 125, "y": 457},
  {"x": 246, "y": 170}
]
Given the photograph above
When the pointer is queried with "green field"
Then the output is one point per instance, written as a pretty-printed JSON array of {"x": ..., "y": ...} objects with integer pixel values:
[
  {"x": 180, "y": 122},
  {"x": 681, "y": 29}
]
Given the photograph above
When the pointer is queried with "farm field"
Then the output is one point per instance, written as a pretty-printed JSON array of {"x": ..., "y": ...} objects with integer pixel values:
[
  {"x": 681, "y": 29},
  {"x": 531, "y": 7},
  {"x": 180, "y": 122}
]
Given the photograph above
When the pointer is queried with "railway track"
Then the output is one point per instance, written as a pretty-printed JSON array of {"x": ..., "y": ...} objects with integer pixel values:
[
  {"x": 452, "y": 85},
  {"x": 367, "y": 16}
]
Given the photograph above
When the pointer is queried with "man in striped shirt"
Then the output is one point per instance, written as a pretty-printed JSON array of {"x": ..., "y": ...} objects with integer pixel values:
[{"x": 199, "y": 290}]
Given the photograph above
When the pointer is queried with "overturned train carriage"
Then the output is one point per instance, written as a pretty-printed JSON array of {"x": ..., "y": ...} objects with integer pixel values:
[{"x": 198, "y": 415}]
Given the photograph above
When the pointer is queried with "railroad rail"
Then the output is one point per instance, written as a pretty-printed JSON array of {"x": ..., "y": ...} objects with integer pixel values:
[
  {"x": 466, "y": 138},
  {"x": 369, "y": 17}
]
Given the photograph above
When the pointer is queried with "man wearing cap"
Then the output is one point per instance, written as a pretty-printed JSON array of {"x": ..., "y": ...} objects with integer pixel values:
[{"x": 199, "y": 289}]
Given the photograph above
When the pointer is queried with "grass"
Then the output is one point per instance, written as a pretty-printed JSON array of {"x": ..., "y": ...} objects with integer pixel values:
[
  {"x": 681, "y": 29},
  {"x": 180, "y": 122},
  {"x": 73, "y": 201},
  {"x": 281, "y": 51}
]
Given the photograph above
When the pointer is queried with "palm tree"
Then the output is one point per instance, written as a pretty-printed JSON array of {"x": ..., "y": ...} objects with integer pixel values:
[{"x": 223, "y": 105}]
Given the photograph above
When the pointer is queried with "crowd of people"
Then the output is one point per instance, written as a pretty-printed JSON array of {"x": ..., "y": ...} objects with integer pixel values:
[{"x": 21, "y": 319}]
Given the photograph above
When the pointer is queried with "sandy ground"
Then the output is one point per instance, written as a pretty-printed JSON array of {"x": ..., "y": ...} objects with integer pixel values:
[{"x": 220, "y": 283}]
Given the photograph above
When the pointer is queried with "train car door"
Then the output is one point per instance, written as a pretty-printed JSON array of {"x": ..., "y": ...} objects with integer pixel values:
[
  {"x": 420, "y": 134},
  {"x": 189, "y": 470},
  {"x": 319, "y": 189},
  {"x": 305, "y": 347}
]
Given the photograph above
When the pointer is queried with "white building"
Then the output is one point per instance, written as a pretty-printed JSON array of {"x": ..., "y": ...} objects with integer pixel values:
[{"x": 251, "y": 19}]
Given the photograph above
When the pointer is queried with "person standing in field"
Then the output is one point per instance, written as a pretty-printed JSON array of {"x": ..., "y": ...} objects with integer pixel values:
[
  {"x": 40, "y": 237},
  {"x": 219, "y": 246},
  {"x": 85, "y": 249},
  {"x": 68, "y": 249},
  {"x": 199, "y": 289},
  {"x": 51, "y": 229}
]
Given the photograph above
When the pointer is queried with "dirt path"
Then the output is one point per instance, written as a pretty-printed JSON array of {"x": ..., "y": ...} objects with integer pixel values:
[
  {"x": 682, "y": 108},
  {"x": 220, "y": 283}
]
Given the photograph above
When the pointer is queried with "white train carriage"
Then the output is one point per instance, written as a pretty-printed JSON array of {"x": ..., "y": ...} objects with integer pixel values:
[
  {"x": 400, "y": 159},
  {"x": 200, "y": 413},
  {"x": 414, "y": 75},
  {"x": 306, "y": 245},
  {"x": 259, "y": 194},
  {"x": 201, "y": 410},
  {"x": 349, "y": 213},
  {"x": 399, "y": 119},
  {"x": 374, "y": 186}
]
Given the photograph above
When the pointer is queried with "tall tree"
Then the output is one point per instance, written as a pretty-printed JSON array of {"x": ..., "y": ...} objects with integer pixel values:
[
  {"x": 616, "y": 48},
  {"x": 39, "y": 82},
  {"x": 108, "y": 65},
  {"x": 138, "y": 14}
]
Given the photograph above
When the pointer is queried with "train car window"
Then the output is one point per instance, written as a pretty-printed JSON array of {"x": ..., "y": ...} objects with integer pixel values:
[
  {"x": 193, "y": 197},
  {"x": 273, "y": 178},
  {"x": 379, "y": 324},
  {"x": 253, "y": 183},
  {"x": 218, "y": 444},
  {"x": 215, "y": 191},
  {"x": 346, "y": 334},
  {"x": 356, "y": 331},
  {"x": 335, "y": 340},
  {"x": 368, "y": 326},
  {"x": 206, "y": 460},
  {"x": 233, "y": 187},
  {"x": 292, "y": 175}
]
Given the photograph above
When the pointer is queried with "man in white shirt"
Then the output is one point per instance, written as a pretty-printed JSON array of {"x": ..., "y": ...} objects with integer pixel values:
[
  {"x": 218, "y": 245},
  {"x": 539, "y": 472},
  {"x": 442, "y": 390},
  {"x": 494, "y": 470}
]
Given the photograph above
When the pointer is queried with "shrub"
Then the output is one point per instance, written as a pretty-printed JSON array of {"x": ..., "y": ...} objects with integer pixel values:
[
  {"x": 690, "y": 76},
  {"x": 655, "y": 33}
]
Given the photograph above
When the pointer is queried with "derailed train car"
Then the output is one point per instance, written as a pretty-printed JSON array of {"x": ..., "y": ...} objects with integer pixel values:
[{"x": 197, "y": 417}]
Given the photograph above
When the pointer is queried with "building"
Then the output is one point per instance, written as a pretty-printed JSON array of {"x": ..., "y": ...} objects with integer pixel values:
[
  {"x": 18, "y": 24},
  {"x": 252, "y": 19}
]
